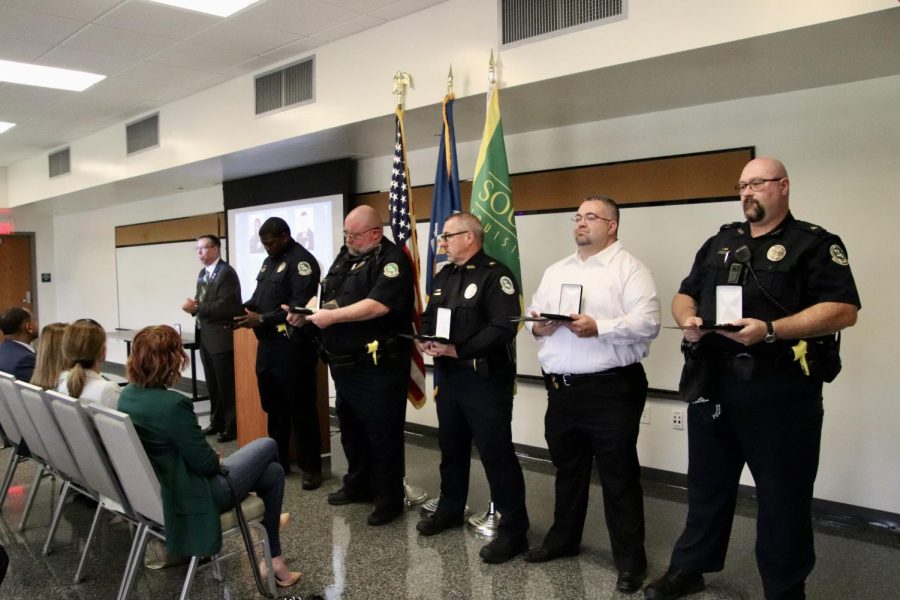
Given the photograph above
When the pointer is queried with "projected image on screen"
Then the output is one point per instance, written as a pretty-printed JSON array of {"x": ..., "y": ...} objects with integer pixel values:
[{"x": 314, "y": 222}]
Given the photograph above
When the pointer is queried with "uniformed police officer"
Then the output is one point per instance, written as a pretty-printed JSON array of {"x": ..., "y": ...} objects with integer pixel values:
[
  {"x": 757, "y": 392},
  {"x": 286, "y": 367},
  {"x": 367, "y": 302},
  {"x": 476, "y": 371}
]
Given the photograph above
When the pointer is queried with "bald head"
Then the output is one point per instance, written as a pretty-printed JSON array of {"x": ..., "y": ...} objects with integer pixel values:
[
  {"x": 765, "y": 193},
  {"x": 766, "y": 164},
  {"x": 362, "y": 230}
]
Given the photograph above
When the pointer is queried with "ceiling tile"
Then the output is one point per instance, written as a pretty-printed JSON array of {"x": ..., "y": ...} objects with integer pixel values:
[
  {"x": 157, "y": 19},
  {"x": 109, "y": 40},
  {"x": 258, "y": 63},
  {"x": 21, "y": 102},
  {"x": 82, "y": 60},
  {"x": 363, "y": 6},
  {"x": 159, "y": 74},
  {"x": 80, "y": 10},
  {"x": 403, "y": 8},
  {"x": 348, "y": 28},
  {"x": 243, "y": 37},
  {"x": 297, "y": 16},
  {"x": 36, "y": 27},
  {"x": 196, "y": 56},
  {"x": 293, "y": 49},
  {"x": 20, "y": 50}
]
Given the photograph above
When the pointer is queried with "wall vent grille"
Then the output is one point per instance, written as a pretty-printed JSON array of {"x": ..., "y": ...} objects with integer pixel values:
[
  {"x": 142, "y": 134},
  {"x": 528, "y": 19},
  {"x": 59, "y": 162},
  {"x": 290, "y": 85}
]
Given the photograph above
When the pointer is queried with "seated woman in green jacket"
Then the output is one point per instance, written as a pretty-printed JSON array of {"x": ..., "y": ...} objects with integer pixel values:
[{"x": 194, "y": 494}]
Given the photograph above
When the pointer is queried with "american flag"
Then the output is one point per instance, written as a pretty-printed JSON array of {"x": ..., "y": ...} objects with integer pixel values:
[{"x": 403, "y": 228}]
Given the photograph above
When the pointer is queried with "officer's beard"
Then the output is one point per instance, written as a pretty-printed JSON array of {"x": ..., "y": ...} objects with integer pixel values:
[
  {"x": 754, "y": 211},
  {"x": 361, "y": 251}
]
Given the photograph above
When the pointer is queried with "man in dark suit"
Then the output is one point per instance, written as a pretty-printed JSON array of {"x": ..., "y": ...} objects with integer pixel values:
[
  {"x": 16, "y": 354},
  {"x": 217, "y": 301}
]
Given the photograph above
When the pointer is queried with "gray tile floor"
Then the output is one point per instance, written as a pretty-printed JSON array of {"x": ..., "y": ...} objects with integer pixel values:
[{"x": 343, "y": 558}]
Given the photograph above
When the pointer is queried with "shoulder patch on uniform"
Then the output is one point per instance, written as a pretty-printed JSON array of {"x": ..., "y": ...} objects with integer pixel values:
[
  {"x": 303, "y": 268},
  {"x": 391, "y": 270},
  {"x": 507, "y": 286},
  {"x": 838, "y": 255}
]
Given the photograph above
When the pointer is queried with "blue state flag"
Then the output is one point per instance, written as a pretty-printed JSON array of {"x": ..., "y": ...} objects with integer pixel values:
[{"x": 446, "y": 199}]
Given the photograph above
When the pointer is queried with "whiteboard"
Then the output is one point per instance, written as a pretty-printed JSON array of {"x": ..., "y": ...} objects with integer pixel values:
[
  {"x": 153, "y": 282},
  {"x": 664, "y": 237}
]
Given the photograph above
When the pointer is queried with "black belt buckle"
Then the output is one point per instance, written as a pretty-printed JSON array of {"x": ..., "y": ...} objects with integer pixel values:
[{"x": 743, "y": 365}]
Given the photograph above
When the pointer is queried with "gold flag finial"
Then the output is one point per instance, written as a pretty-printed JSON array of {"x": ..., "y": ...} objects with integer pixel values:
[
  {"x": 492, "y": 70},
  {"x": 402, "y": 80},
  {"x": 450, "y": 81}
]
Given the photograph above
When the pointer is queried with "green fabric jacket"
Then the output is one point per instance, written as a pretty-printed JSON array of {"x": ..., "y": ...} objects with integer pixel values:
[{"x": 184, "y": 462}]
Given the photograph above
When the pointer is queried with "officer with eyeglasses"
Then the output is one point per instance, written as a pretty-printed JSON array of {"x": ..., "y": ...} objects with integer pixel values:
[
  {"x": 475, "y": 370},
  {"x": 366, "y": 304},
  {"x": 756, "y": 390}
]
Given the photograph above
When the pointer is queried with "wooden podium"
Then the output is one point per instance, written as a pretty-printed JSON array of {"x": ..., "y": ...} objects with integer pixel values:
[{"x": 251, "y": 419}]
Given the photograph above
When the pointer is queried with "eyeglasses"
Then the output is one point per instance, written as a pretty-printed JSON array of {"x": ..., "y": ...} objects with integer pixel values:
[
  {"x": 590, "y": 218},
  {"x": 444, "y": 237},
  {"x": 350, "y": 236},
  {"x": 755, "y": 184}
]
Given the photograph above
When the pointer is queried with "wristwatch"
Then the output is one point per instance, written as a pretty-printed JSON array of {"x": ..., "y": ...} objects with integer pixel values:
[{"x": 770, "y": 333}]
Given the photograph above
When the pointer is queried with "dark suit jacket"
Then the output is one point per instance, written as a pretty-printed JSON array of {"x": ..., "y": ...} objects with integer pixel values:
[
  {"x": 218, "y": 308},
  {"x": 184, "y": 463},
  {"x": 16, "y": 360}
]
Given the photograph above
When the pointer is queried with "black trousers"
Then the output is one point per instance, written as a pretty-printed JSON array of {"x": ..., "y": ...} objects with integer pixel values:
[
  {"x": 471, "y": 408},
  {"x": 286, "y": 374},
  {"x": 219, "y": 370},
  {"x": 596, "y": 421},
  {"x": 371, "y": 410},
  {"x": 773, "y": 423}
]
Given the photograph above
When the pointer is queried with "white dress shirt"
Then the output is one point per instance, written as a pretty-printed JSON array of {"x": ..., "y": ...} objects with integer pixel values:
[
  {"x": 96, "y": 389},
  {"x": 619, "y": 293}
]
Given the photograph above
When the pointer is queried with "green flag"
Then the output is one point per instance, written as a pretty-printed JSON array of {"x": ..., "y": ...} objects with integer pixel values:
[{"x": 491, "y": 195}]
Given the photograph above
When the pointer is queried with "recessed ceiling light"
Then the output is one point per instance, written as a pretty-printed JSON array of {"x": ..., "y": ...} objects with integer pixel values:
[
  {"x": 4, "y": 126},
  {"x": 51, "y": 77},
  {"x": 219, "y": 8}
]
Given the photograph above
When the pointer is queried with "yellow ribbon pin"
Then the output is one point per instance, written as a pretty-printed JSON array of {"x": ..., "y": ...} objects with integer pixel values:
[
  {"x": 372, "y": 348},
  {"x": 800, "y": 354}
]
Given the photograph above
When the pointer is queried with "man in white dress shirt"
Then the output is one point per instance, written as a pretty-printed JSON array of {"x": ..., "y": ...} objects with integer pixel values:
[{"x": 596, "y": 386}]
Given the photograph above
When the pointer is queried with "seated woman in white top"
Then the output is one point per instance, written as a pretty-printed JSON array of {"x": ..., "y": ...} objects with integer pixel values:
[{"x": 84, "y": 346}]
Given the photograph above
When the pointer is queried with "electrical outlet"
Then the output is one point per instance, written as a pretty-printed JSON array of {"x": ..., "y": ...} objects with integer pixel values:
[
  {"x": 645, "y": 416},
  {"x": 677, "y": 419}
]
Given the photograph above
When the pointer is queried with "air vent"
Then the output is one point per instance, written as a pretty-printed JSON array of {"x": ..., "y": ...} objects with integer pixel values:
[
  {"x": 285, "y": 87},
  {"x": 59, "y": 163},
  {"x": 142, "y": 134},
  {"x": 530, "y": 19}
]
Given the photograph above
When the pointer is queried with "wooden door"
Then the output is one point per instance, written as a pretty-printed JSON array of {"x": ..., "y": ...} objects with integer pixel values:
[{"x": 16, "y": 277}]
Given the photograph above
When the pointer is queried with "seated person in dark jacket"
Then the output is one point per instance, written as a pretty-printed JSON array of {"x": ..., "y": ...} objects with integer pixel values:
[
  {"x": 16, "y": 354},
  {"x": 194, "y": 494}
]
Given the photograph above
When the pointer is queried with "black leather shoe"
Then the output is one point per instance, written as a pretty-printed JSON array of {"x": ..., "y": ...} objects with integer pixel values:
[
  {"x": 383, "y": 516},
  {"x": 311, "y": 481},
  {"x": 630, "y": 581},
  {"x": 342, "y": 496},
  {"x": 435, "y": 524},
  {"x": 675, "y": 584},
  {"x": 542, "y": 553},
  {"x": 209, "y": 430},
  {"x": 503, "y": 548},
  {"x": 226, "y": 436}
]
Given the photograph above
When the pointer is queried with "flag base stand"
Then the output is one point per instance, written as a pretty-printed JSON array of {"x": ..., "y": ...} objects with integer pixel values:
[
  {"x": 413, "y": 495},
  {"x": 430, "y": 507},
  {"x": 485, "y": 523}
]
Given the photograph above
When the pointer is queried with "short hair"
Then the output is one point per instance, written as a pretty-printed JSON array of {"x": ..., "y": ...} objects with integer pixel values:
[
  {"x": 471, "y": 223},
  {"x": 49, "y": 359},
  {"x": 82, "y": 345},
  {"x": 609, "y": 202},
  {"x": 157, "y": 357},
  {"x": 274, "y": 226},
  {"x": 13, "y": 320},
  {"x": 214, "y": 239}
]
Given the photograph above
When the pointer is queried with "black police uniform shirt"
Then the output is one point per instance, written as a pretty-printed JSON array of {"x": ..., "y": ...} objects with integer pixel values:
[
  {"x": 482, "y": 294},
  {"x": 798, "y": 263},
  {"x": 383, "y": 275},
  {"x": 290, "y": 278}
]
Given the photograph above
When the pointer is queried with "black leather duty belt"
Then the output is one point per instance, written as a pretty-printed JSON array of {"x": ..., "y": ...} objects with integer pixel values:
[{"x": 567, "y": 380}]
